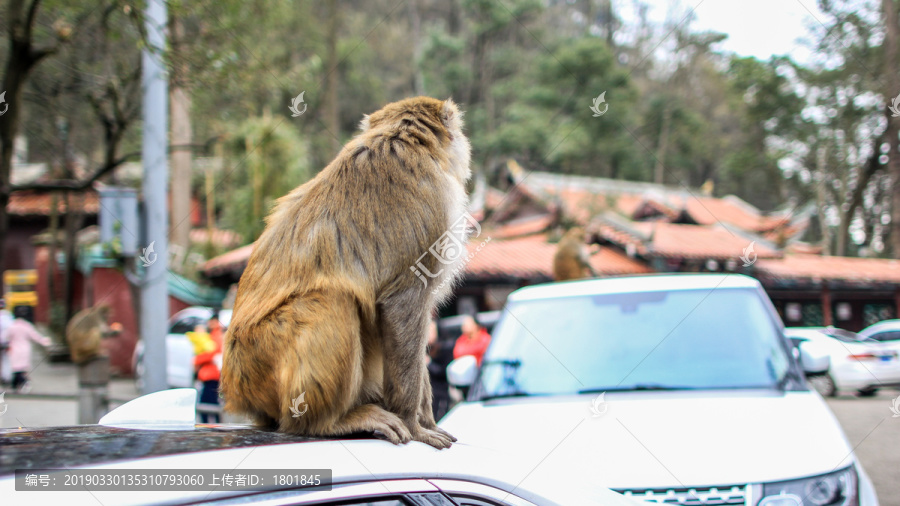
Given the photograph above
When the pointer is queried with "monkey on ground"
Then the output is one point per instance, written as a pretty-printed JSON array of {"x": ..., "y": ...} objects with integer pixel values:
[
  {"x": 329, "y": 327},
  {"x": 572, "y": 259},
  {"x": 85, "y": 331}
]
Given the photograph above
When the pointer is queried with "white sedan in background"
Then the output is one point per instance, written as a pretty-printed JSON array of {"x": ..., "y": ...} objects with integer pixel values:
[
  {"x": 885, "y": 331},
  {"x": 856, "y": 362}
]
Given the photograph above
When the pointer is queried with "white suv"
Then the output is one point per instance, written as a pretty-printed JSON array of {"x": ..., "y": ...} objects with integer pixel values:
[{"x": 669, "y": 388}]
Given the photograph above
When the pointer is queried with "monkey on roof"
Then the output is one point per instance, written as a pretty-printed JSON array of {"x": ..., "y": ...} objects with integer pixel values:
[{"x": 572, "y": 259}]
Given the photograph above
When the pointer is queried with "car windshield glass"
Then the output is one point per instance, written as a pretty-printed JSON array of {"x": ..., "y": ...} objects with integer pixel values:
[{"x": 685, "y": 339}]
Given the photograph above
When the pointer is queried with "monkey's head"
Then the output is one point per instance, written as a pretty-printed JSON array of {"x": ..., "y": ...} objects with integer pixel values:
[
  {"x": 103, "y": 311},
  {"x": 576, "y": 234},
  {"x": 432, "y": 117}
]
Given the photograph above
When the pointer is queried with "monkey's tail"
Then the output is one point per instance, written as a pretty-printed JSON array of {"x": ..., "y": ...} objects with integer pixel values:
[{"x": 326, "y": 340}]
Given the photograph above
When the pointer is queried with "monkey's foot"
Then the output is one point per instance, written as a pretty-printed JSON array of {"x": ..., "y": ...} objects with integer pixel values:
[
  {"x": 391, "y": 427},
  {"x": 437, "y": 438},
  {"x": 372, "y": 418},
  {"x": 445, "y": 433},
  {"x": 427, "y": 421}
]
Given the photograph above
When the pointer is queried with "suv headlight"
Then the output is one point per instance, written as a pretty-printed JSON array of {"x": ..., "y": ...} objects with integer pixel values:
[{"x": 832, "y": 489}]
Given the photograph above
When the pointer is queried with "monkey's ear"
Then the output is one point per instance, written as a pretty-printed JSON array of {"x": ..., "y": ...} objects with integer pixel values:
[
  {"x": 451, "y": 115},
  {"x": 364, "y": 124}
]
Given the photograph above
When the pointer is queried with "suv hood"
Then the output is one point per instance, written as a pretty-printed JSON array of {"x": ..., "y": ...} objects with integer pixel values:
[{"x": 663, "y": 439}]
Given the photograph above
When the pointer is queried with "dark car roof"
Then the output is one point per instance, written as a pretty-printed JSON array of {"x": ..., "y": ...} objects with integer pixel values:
[{"x": 57, "y": 447}]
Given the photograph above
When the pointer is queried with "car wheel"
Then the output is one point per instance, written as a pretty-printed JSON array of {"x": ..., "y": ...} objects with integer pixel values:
[
  {"x": 867, "y": 392},
  {"x": 823, "y": 384}
]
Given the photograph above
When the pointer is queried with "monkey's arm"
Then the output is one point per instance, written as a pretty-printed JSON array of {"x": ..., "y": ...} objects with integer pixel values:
[
  {"x": 584, "y": 257},
  {"x": 403, "y": 324}
]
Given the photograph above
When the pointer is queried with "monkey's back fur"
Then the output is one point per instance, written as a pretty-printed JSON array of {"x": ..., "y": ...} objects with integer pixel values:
[
  {"x": 572, "y": 260},
  {"x": 328, "y": 290},
  {"x": 84, "y": 333}
]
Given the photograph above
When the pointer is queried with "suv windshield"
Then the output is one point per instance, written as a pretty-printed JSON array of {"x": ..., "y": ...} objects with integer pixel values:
[{"x": 684, "y": 339}]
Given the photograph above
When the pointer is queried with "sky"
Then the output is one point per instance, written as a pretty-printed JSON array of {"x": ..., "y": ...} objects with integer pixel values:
[{"x": 759, "y": 28}]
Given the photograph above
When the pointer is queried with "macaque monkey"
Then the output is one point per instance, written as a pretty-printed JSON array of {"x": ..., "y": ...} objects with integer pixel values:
[
  {"x": 85, "y": 331},
  {"x": 330, "y": 321},
  {"x": 572, "y": 259}
]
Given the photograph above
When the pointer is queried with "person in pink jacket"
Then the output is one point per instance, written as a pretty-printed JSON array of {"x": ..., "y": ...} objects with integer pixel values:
[{"x": 18, "y": 336}]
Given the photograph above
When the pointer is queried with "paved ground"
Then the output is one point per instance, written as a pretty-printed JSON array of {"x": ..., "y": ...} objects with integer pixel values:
[
  {"x": 53, "y": 397},
  {"x": 875, "y": 433},
  {"x": 867, "y": 422}
]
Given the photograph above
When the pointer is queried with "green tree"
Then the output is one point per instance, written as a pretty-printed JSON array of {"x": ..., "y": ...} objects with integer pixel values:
[{"x": 267, "y": 158}]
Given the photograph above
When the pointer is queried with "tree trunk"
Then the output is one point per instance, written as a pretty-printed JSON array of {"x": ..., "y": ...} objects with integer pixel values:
[
  {"x": 21, "y": 59},
  {"x": 180, "y": 137},
  {"x": 454, "y": 17},
  {"x": 415, "y": 21},
  {"x": 820, "y": 202},
  {"x": 210, "y": 212},
  {"x": 891, "y": 39},
  {"x": 865, "y": 175},
  {"x": 74, "y": 217},
  {"x": 590, "y": 15},
  {"x": 659, "y": 174},
  {"x": 332, "y": 112}
]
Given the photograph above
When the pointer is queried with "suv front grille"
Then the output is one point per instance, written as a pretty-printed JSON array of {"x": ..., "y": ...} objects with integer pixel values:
[{"x": 690, "y": 496}]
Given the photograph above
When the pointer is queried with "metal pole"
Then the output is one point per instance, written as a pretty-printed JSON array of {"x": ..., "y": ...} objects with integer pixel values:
[{"x": 154, "y": 294}]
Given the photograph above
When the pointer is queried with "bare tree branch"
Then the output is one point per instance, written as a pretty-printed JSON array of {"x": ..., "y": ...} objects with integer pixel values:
[{"x": 75, "y": 185}]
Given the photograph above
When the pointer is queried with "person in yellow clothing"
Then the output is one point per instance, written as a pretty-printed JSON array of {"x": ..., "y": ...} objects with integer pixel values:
[
  {"x": 208, "y": 364},
  {"x": 201, "y": 340}
]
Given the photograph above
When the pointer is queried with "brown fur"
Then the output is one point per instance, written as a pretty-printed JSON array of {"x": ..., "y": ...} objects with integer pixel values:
[
  {"x": 572, "y": 260},
  {"x": 328, "y": 307},
  {"x": 85, "y": 331}
]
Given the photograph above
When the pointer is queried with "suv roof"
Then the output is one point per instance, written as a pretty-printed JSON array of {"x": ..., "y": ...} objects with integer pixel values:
[{"x": 634, "y": 284}]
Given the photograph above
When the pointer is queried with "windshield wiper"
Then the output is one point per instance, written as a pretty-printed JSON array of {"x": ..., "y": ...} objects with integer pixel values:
[{"x": 639, "y": 386}]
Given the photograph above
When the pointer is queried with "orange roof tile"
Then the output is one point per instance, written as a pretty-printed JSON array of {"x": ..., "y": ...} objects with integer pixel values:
[
  {"x": 38, "y": 204},
  {"x": 526, "y": 257},
  {"x": 711, "y": 210},
  {"x": 493, "y": 198},
  {"x": 682, "y": 241},
  {"x": 582, "y": 205},
  {"x": 524, "y": 226},
  {"x": 531, "y": 257},
  {"x": 233, "y": 260},
  {"x": 226, "y": 238},
  {"x": 796, "y": 266}
]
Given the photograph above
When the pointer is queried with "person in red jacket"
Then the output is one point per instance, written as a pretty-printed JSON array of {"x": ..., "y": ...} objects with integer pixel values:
[
  {"x": 473, "y": 341},
  {"x": 208, "y": 365}
]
